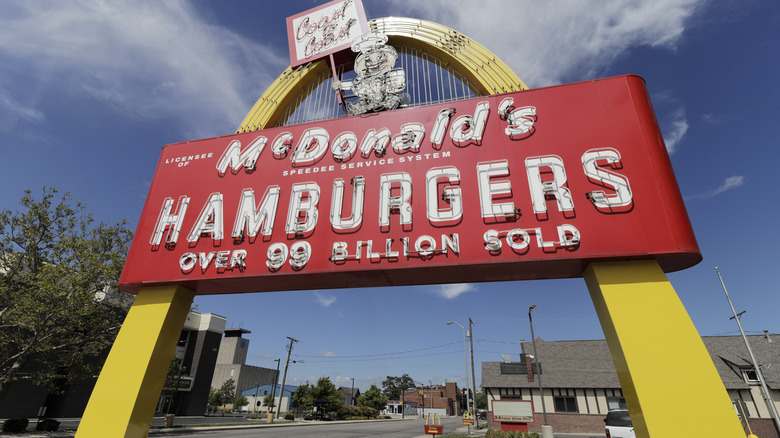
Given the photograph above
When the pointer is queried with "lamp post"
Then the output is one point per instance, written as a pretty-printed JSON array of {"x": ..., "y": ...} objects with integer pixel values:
[
  {"x": 466, "y": 362},
  {"x": 430, "y": 391},
  {"x": 273, "y": 387},
  {"x": 546, "y": 428},
  {"x": 473, "y": 376}
]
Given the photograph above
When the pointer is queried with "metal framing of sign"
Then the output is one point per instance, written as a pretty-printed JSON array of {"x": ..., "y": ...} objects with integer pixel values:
[{"x": 479, "y": 65}]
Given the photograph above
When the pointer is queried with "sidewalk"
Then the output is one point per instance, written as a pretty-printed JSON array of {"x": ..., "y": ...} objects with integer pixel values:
[{"x": 460, "y": 430}]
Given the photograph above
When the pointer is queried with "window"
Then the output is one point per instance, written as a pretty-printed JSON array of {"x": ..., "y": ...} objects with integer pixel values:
[
  {"x": 513, "y": 368},
  {"x": 615, "y": 403},
  {"x": 183, "y": 339},
  {"x": 565, "y": 404},
  {"x": 751, "y": 375}
]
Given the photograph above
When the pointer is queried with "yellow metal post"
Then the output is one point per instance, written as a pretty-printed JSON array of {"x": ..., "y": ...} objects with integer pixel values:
[
  {"x": 126, "y": 394},
  {"x": 669, "y": 381}
]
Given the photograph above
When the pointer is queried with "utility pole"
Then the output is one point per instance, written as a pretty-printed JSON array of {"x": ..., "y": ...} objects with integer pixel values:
[
  {"x": 403, "y": 403},
  {"x": 764, "y": 390},
  {"x": 352, "y": 393},
  {"x": 547, "y": 431},
  {"x": 473, "y": 379},
  {"x": 284, "y": 376},
  {"x": 465, "y": 363}
]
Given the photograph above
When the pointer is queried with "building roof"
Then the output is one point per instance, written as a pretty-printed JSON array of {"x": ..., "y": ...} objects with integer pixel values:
[
  {"x": 729, "y": 354},
  {"x": 565, "y": 364},
  {"x": 588, "y": 364},
  {"x": 348, "y": 391},
  {"x": 235, "y": 332}
]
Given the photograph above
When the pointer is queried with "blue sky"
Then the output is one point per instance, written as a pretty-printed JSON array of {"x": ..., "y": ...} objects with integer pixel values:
[{"x": 90, "y": 91}]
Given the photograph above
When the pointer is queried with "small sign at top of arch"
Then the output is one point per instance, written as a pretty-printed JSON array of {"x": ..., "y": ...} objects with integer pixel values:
[{"x": 323, "y": 30}]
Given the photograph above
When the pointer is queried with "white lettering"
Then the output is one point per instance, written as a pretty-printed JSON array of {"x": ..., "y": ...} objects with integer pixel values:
[
  {"x": 250, "y": 218},
  {"x": 488, "y": 190},
  {"x": 234, "y": 158},
  {"x": 554, "y": 187},
  {"x": 402, "y": 202},
  {"x": 209, "y": 220},
  {"x": 302, "y": 213},
  {"x": 622, "y": 200},
  {"x": 337, "y": 200},
  {"x": 451, "y": 195},
  {"x": 168, "y": 219},
  {"x": 311, "y": 147}
]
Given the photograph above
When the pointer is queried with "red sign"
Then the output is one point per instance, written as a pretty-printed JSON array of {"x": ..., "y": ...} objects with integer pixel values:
[
  {"x": 434, "y": 430},
  {"x": 325, "y": 29},
  {"x": 525, "y": 185}
]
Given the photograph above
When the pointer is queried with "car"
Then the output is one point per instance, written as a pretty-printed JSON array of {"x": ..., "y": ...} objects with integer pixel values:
[{"x": 618, "y": 424}]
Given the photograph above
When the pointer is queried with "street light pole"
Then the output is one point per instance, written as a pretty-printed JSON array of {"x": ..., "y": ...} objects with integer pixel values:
[
  {"x": 273, "y": 387},
  {"x": 352, "y": 393},
  {"x": 473, "y": 377},
  {"x": 546, "y": 429},
  {"x": 764, "y": 390},
  {"x": 430, "y": 390},
  {"x": 466, "y": 361}
]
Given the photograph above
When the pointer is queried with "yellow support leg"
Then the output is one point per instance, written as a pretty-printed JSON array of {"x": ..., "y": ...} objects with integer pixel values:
[
  {"x": 669, "y": 381},
  {"x": 126, "y": 394}
]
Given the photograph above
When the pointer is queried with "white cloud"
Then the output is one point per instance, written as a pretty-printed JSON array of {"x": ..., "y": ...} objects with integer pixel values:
[
  {"x": 679, "y": 126},
  {"x": 264, "y": 356},
  {"x": 729, "y": 183},
  {"x": 324, "y": 300},
  {"x": 146, "y": 60},
  {"x": 326, "y": 354},
  {"x": 450, "y": 291},
  {"x": 546, "y": 42}
]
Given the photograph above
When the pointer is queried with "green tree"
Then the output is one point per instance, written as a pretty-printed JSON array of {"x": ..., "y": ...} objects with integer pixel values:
[
  {"x": 175, "y": 372},
  {"x": 482, "y": 400},
  {"x": 373, "y": 398},
  {"x": 59, "y": 306},
  {"x": 227, "y": 392},
  {"x": 327, "y": 396},
  {"x": 270, "y": 402},
  {"x": 215, "y": 400},
  {"x": 393, "y": 386},
  {"x": 302, "y": 400},
  {"x": 240, "y": 402}
]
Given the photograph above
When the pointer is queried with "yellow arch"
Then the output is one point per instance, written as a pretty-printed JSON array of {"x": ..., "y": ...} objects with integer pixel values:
[{"x": 488, "y": 73}]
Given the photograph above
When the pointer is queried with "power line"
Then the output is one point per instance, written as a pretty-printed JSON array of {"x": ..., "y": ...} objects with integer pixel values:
[
  {"x": 339, "y": 359},
  {"x": 497, "y": 342},
  {"x": 382, "y": 354}
]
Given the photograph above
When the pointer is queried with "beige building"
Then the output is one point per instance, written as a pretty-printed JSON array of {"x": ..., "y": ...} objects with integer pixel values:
[{"x": 231, "y": 364}]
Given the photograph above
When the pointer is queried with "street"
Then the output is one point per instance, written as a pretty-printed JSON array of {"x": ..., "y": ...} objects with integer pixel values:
[{"x": 388, "y": 429}]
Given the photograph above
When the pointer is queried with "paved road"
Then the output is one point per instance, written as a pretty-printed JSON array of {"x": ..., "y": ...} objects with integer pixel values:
[{"x": 385, "y": 429}]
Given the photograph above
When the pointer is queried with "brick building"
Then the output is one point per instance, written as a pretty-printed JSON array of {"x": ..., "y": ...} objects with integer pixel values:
[{"x": 440, "y": 399}]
